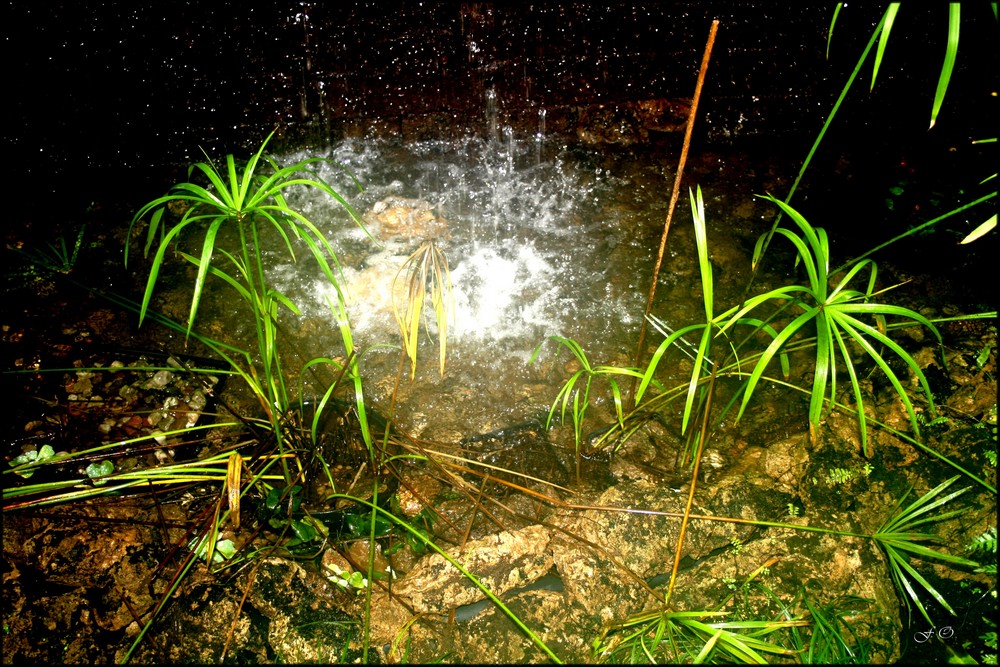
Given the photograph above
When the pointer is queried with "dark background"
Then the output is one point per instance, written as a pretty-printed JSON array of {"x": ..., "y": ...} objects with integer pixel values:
[{"x": 108, "y": 100}]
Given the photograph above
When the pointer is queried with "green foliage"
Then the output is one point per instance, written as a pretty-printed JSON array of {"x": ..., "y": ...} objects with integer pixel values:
[
  {"x": 690, "y": 636},
  {"x": 985, "y": 545},
  {"x": 841, "y": 319},
  {"x": 56, "y": 257},
  {"x": 984, "y": 354},
  {"x": 832, "y": 639},
  {"x": 841, "y": 316},
  {"x": 348, "y": 581},
  {"x": 840, "y": 475},
  {"x": 885, "y": 28},
  {"x": 574, "y": 396},
  {"x": 900, "y": 537},
  {"x": 247, "y": 203},
  {"x": 24, "y": 464},
  {"x": 223, "y": 550},
  {"x": 882, "y": 32},
  {"x": 96, "y": 471},
  {"x": 284, "y": 507}
]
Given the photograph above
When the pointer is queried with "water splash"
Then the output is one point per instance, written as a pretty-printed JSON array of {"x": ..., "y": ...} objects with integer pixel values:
[
  {"x": 491, "y": 114},
  {"x": 540, "y": 136},
  {"x": 526, "y": 242}
]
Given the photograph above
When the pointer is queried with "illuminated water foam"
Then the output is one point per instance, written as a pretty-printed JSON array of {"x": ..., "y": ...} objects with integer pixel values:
[{"x": 520, "y": 242}]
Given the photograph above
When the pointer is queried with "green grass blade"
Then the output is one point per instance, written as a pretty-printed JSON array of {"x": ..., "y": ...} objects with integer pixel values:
[
  {"x": 824, "y": 373},
  {"x": 219, "y": 273},
  {"x": 284, "y": 301},
  {"x": 661, "y": 350},
  {"x": 856, "y": 389},
  {"x": 903, "y": 572},
  {"x": 840, "y": 293},
  {"x": 707, "y": 649},
  {"x": 735, "y": 315},
  {"x": 276, "y": 222},
  {"x": 698, "y": 214},
  {"x": 419, "y": 535},
  {"x": 769, "y": 353},
  {"x": 922, "y": 505},
  {"x": 249, "y": 174},
  {"x": 806, "y": 258},
  {"x": 696, "y": 375},
  {"x": 234, "y": 188},
  {"x": 833, "y": 22},
  {"x": 154, "y": 269},
  {"x": 760, "y": 325},
  {"x": 883, "y": 309},
  {"x": 903, "y": 542},
  {"x": 852, "y": 327},
  {"x": 207, "y": 248},
  {"x": 982, "y": 230},
  {"x": 354, "y": 372},
  {"x": 951, "y": 52},
  {"x": 883, "y": 40},
  {"x": 222, "y": 197},
  {"x": 818, "y": 243}
]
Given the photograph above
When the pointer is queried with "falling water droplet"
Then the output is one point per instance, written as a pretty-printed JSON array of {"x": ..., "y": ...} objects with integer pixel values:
[
  {"x": 540, "y": 137},
  {"x": 491, "y": 114}
]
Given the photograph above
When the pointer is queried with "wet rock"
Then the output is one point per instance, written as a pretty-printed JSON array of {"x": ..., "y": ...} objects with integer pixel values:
[
  {"x": 831, "y": 570},
  {"x": 400, "y": 217},
  {"x": 631, "y": 122},
  {"x": 305, "y": 624},
  {"x": 607, "y": 559},
  {"x": 502, "y": 562},
  {"x": 416, "y": 491}
]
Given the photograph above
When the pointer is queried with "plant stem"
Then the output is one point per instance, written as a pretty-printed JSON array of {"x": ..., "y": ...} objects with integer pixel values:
[{"x": 675, "y": 194}]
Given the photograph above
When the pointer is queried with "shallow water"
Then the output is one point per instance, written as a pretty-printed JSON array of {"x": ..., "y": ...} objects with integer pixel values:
[{"x": 543, "y": 239}]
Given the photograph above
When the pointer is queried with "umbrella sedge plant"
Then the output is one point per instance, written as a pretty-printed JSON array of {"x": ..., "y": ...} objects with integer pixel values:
[
  {"x": 249, "y": 202},
  {"x": 843, "y": 320},
  {"x": 837, "y": 320}
]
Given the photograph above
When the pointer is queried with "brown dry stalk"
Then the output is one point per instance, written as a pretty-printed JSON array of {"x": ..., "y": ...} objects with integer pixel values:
[{"x": 675, "y": 194}]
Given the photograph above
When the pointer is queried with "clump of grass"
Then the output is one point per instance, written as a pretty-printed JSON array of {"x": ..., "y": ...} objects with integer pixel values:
[{"x": 424, "y": 274}]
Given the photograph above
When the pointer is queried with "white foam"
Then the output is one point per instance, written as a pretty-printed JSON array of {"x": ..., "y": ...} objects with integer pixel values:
[{"x": 515, "y": 246}]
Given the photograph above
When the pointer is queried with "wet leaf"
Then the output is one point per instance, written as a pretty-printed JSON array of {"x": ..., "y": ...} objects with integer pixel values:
[{"x": 97, "y": 470}]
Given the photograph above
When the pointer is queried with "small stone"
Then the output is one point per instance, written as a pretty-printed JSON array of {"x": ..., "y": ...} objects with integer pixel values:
[
  {"x": 197, "y": 400},
  {"x": 160, "y": 379}
]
